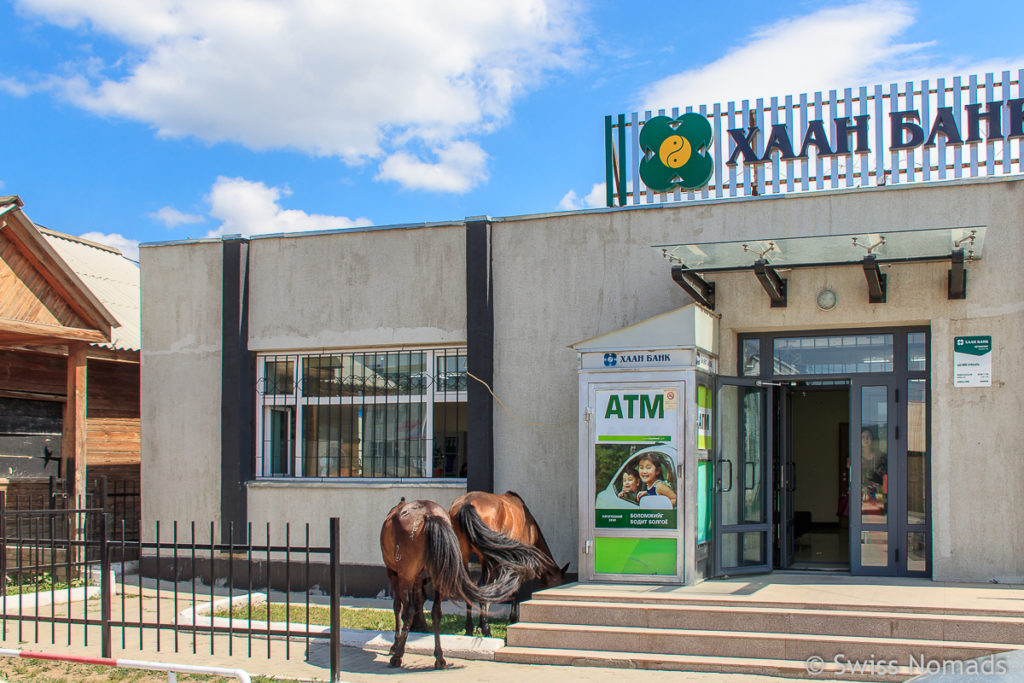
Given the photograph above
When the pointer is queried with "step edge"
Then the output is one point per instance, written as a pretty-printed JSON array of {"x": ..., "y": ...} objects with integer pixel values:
[{"x": 643, "y": 630}]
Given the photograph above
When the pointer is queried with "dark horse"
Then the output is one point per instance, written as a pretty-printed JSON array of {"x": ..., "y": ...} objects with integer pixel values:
[
  {"x": 417, "y": 539},
  {"x": 476, "y": 513}
]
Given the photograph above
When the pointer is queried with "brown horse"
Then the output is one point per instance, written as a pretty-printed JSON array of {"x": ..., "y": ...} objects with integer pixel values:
[
  {"x": 417, "y": 540},
  {"x": 477, "y": 512}
]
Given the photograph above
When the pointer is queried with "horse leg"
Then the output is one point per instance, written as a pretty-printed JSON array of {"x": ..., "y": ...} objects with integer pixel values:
[
  {"x": 486, "y": 576},
  {"x": 408, "y": 602},
  {"x": 396, "y": 605},
  {"x": 469, "y": 618},
  {"x": 435, "y": 615},
  {"x": 419, "y": 622}
]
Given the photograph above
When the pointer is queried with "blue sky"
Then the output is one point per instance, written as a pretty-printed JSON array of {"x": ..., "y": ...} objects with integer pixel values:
[{"x": 134, "y": 122}]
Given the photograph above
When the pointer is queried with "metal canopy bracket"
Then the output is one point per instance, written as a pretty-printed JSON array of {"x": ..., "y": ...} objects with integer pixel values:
[
  {"x": 957, "y": 276},
  {"x": 876, "y": 280},
  {"x": 699, "y": 289},
  {"x": 774, "y": 285}
]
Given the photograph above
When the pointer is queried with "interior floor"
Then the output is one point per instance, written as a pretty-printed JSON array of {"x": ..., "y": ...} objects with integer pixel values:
[{"x": 823, "y": 547}]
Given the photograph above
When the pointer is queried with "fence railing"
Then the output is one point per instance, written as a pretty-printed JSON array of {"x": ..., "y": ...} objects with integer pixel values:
[{"x": 182, "y": 589}]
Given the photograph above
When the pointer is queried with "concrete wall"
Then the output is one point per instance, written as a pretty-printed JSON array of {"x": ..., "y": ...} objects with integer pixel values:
[
  {"x": 361, "y": 507},
  {"x": 357, "y": 289},
  {"x": 561, "y": 279},
  {"x": 181, "y": 384}
]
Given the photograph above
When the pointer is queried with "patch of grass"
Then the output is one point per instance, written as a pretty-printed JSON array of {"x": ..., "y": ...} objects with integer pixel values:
[
  {"x": 42, "y": 583},
  {"x": 40, "y": 671},
  {"x": 365, "y": 619}
]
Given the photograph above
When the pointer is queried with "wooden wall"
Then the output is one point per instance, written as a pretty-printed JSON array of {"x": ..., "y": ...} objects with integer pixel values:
[{"x": 112, "y": 423}]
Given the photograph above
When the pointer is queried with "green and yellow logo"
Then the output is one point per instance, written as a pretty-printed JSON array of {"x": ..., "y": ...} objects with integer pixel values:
[{"x": 675, "y": 153}]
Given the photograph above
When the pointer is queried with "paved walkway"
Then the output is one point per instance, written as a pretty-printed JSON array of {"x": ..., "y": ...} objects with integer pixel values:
[{"x": 313, "y": 663}]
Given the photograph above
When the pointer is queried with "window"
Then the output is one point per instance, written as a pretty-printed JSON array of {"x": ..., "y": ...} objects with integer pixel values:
[{"x": 362, "y": 414}]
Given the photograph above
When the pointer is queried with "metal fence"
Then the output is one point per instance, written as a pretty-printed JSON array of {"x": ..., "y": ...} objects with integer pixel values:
[
  {"x": 172, "y": 595},
  {"x": 121, "y": 498}
]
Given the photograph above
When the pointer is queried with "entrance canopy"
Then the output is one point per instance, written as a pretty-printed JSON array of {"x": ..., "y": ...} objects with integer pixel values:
[{"x": 869, "y": 249}]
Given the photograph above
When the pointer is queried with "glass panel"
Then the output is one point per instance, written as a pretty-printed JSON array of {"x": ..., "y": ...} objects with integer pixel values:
[
  {"x": 874, "y": 548},
  {"x": 394, "y": 444},
  {"x": 838, "y": 355},
  {"x": 751, "y": 357},
  {"x": 404, "y": 371},
  {"x": 450, "y": 373},
  {"x": 787, "y": 251},
  {"x": 874, "y": 455},
  {"x": 917, "y": 452},
  {"x": 917, "y": 352},
  {"x": 359, "y": 374},
  {"x": 745, "y": 549},
  {"x": 449, "y": 440},
  {"x": 752, "y": 457},
  {"x": 330, "y": 441},
  {"x": 280, "y": 440},
  {"x": 704, "y": 498},
  {"x": 742, "y": 450},
  {"x": 279, "y": 377},
  {"x": 917, "y": 551}
]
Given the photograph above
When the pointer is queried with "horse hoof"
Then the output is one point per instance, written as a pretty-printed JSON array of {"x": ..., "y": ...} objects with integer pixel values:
[
  {"x": 395, "y": 662},
  {"x": 440, "y": 664}
]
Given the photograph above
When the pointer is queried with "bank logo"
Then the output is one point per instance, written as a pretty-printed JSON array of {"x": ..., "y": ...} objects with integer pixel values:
[
  {"x": 611, "y": 360},
  {"x": 675, "y": 153}
]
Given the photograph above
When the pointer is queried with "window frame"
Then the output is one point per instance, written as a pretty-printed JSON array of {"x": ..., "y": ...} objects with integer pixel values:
[{"x": 432, "y": 397}]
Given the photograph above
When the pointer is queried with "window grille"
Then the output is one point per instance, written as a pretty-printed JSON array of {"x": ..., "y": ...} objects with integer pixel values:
[{"x": 362, "y": 414}]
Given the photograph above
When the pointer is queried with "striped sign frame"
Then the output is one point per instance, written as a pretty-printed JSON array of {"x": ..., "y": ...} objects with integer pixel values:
[{"x": 880, "y": 166}]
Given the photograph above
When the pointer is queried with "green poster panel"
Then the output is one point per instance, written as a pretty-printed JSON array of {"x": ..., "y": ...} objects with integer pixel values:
[
  {"x": 654, "y": 556},
  {"x": 703, "y": 500}
]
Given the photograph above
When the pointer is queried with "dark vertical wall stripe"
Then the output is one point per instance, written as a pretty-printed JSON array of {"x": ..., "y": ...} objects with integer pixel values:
[
  {"x": 480, "y": 355},
  {"x": 238, "y": 395}
]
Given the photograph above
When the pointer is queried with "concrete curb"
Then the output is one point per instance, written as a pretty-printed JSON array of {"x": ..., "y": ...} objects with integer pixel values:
[
  {"x": 17, "y": 603},
  {"x": 459, "y": 647}
]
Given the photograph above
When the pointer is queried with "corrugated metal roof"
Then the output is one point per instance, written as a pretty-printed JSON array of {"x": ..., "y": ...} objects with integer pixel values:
[{"x": 111, "y": 277}]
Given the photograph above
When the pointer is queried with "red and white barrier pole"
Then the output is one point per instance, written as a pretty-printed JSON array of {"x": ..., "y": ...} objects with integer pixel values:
[{"x": 171, "y": 669}]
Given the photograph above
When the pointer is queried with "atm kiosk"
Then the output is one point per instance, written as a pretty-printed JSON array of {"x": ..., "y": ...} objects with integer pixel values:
[{"x": 646, "y": 395}]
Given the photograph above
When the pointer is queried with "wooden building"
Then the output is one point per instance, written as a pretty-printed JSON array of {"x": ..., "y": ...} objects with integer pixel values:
[{"x": 69, "y": 365}]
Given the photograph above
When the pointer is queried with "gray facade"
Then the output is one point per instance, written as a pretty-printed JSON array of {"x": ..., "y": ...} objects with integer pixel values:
[{"x": 560, "y": 278}]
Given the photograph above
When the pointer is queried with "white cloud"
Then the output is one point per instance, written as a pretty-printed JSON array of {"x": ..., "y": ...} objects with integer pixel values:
[
  {"x": 358, "y": 81},
  {"x": 460, "y": 167},
  {"x": 594, "y": 199},
  {"x": 172, "y": 218},
  {"x": 129, "y": 247},
  {"x": 247, "y": 207},
  {"x": 14, "y": 87},
  {"x": 834, "y": 47}
]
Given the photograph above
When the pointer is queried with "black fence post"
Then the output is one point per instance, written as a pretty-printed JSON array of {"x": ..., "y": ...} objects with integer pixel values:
[
  {"x": 105, "y": 597},
  {"x": 3, "y": 550},
  {"x": 335, "y": 599}
]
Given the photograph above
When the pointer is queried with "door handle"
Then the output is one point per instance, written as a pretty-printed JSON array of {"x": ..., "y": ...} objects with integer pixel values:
[
  {"x": 749, "y": 473},
  {"x": 722, "y": 479}
]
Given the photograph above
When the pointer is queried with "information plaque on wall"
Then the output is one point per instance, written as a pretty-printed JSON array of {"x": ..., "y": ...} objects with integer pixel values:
[{"x": 972, "y": 361}]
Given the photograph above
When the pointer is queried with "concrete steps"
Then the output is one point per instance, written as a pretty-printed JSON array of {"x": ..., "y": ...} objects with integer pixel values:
[{"x": 707, "y": 633}]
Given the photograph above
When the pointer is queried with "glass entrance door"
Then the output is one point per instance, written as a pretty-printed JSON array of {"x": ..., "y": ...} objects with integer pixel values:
[{"x": 743, "y": 478}]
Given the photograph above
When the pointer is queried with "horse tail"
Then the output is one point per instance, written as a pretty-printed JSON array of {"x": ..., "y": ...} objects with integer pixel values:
[
  {"x": 449, "y": 575},
  {"x": 519, "y": 559}
]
